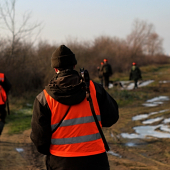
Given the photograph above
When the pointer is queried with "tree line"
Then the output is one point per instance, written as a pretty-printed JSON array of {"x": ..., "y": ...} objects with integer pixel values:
[{"x": 28, "y": 66}]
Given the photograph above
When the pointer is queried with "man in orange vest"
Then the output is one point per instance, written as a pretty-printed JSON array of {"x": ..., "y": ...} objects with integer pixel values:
[
  {"x": 4, "y": 88},
  {"x": 63, "y": 127}
]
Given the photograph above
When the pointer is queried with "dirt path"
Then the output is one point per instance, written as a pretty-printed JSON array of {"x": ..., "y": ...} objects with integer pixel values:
[{"x": 18, "y": 153}]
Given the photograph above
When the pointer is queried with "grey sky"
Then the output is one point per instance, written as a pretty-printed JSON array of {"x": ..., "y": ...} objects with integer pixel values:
[{"x": 87, "y": 19}]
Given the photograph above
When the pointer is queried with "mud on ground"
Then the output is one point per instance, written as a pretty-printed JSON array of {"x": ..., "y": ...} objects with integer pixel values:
[
  {"x": 18, "y": 153},
  {"x": 127, "y": 154},
  {"x": 149, "y": 155}
]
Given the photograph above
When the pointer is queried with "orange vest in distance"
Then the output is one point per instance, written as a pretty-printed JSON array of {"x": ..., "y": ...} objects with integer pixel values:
[{"x": 3, "y": 96}]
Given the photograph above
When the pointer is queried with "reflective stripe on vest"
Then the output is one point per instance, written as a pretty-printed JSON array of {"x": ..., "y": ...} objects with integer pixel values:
[
  {"x": 3, "y": 96},
  {"x": 78, "y": 139},
  {"x": 76, "y": 121},
  {"x": 78, "y": 134}
]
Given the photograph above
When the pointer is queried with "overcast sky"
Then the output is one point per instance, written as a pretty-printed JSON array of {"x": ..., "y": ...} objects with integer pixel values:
[{"x": 88, "y": 19}]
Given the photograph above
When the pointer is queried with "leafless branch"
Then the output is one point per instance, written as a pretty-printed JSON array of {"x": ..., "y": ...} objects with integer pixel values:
[{"x": 19, "y": 32}]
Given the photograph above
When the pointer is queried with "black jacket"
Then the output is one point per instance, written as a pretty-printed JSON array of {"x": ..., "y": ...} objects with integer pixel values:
[
  {"x": 100, "y": 71},
  {"x": 135, "y": 73},
  {"x": 107, "y": 70},
  {"x": 67, "y": 88}
]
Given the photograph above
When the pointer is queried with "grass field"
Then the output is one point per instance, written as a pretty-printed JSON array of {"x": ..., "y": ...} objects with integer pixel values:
[
  {"x": 21, "y": 108},
  {"x": 128, "y": 154},
  {"x": 138, "y": 154},
  {"x": 20, "y": 113}
]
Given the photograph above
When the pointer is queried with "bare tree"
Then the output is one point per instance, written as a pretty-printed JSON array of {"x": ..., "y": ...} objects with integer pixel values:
[
  {"x": 18, "y": 32},
  {"x": 154, "y": 44},
  {"x": 143, "y": 38}
]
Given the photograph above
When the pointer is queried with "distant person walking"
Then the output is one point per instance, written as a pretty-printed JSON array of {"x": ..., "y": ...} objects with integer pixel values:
[
  {"x": 100, "y": 72},
  {"x": 63, "y": 126},
  {"x": 107, "y": 72},
  {"x": 4, "y": 89},
  {"x": 135, "y": 74}
]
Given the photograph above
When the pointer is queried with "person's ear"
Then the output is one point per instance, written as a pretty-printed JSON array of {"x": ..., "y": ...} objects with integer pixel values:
[{"x": 56, "y": 70}]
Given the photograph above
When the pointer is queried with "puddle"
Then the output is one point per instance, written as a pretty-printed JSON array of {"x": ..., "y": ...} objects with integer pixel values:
[
  {"x": 165, "y": 128},
  {"x": 132, "y": 136},
  {"x": 129, "y": 85},
  {"x": 146, "y": 132},
  {"x": 130, "y": 144},
  {"x": 135, "y": 143},
  {"x": 140, "y": 84},
  {"x": 110, "y": 85},
  {"x": 160, "y": 98},
  {"x": 164, "y": 81},
  {"x": 145, "y": 83},
  {"x": 150, "y": 121},
  {"x": 166, "y": 120},
  {"x": 140, "y": 117},
  {"x": 114, "y": 154},
  {"x": 155, "y": 101},
  {"x": 19, "y": 150},
  {"x": 150, "y": 104},
  {"x": 144, "y": 116}
]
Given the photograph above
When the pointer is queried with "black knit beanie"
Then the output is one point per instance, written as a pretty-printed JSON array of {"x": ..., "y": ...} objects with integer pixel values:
[{"x": 63, "y": 57}]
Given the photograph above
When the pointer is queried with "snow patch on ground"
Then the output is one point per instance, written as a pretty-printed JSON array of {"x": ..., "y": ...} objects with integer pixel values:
[
  {"x": 140, "y": 84},
  {"x": 144, "y": 116},
  {"x": 147, "y": 132},
  {"x": 19, "y": 150},
  {"x": 150, "y": 121},
  {"x": 155, "y": 101},
  {"x": 114, "y": 154}
]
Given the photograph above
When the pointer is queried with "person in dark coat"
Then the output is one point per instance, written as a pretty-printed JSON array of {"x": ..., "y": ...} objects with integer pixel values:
[
  {"x": 4, "y": 89},
  {"x": 100, "y": 72},
  {"x": 107, "y": 72},
  {"x": 66, "y": 90},
  {"x": 135, "y": 74}
]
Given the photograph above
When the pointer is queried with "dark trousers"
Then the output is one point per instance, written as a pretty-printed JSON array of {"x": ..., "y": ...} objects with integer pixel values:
[
  {"x": 1, "y": 126},
  {"x": 2, "y": 117},
  {"x": 101, "y": 81},
  {"x": 93, "y": 162},
  {"x": 106, "y": 81},
  {"x": 135, "y": 83}
]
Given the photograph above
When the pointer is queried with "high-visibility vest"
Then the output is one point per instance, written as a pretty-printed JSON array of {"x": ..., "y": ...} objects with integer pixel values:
[
  {"x": 78, "y": 134},
  {"x": 3, "y": 95}
]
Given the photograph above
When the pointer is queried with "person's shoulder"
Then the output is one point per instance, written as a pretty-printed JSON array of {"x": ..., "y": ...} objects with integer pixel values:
[
  {"x": 99, "y": 88},
  {"x": 41, "y": 98}
]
